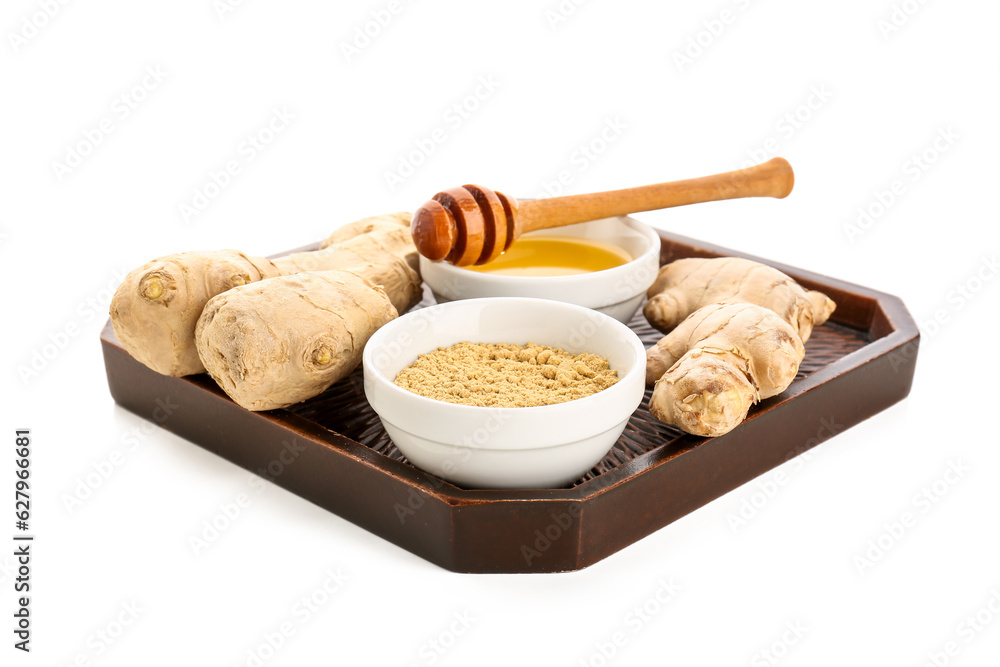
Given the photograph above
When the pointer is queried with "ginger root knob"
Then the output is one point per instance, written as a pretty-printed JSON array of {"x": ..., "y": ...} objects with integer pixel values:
[
  {"x": 721, "y": 360},
  {"x": 151, "y": 288},
  {"x": 322, "y": 356}
]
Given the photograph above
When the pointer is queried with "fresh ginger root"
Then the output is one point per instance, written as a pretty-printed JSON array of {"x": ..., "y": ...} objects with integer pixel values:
[
  {"x": 280, "y": 341},
  {"x": 156, "y": 308},
  {"x": 718, "y": 362},
  {"x": 685, "y": 285},
  {"x": 737, "y": 330}
]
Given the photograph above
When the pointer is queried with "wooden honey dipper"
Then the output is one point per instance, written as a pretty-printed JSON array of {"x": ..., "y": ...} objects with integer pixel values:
[{"x": 474, "y": 225}]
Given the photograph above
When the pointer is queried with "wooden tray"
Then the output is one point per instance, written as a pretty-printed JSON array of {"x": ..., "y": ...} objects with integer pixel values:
[{"x": 856, "y": 365}]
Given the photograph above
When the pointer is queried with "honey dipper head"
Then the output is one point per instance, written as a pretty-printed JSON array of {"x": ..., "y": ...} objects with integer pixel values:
[
  {"x": 434, "y": 231},
  {"x": 464, "y": 226}
]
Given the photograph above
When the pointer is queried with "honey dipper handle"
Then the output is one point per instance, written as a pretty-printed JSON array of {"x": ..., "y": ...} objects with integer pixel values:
[{"x": 773, "y": 178}]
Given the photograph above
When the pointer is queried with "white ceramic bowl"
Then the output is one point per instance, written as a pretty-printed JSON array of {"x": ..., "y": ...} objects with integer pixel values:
[
  {"x": 617, "y": 292},
  {"x": 547, "y": 446}
]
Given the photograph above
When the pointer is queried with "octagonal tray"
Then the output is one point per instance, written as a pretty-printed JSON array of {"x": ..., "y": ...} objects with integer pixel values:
[{"x": 856, "y": 365}]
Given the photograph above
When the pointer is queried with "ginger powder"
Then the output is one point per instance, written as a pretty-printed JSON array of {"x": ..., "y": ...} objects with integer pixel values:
[{"x": 503, "y": 375}]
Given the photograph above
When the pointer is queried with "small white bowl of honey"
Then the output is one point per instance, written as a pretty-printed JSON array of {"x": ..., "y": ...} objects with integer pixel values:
[{"x": 606, "y": 265}]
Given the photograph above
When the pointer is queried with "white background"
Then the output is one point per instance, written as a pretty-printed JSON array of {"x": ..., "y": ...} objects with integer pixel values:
[{"x": 864, "y": 100}]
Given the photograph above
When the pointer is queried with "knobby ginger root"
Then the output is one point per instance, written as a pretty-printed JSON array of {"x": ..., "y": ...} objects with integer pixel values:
[
  {"x": 156, "y": 308},
  {"x": 280, "y": 341},
  {"x": 685, "y": 285},
  {"x": 718, "y": 362}
]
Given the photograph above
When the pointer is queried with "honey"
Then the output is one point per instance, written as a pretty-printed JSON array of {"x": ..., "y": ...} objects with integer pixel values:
[{"x": 541, "y": 255}]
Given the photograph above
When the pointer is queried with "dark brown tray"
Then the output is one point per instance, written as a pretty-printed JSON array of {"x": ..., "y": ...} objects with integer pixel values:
[{"x": 856, "y": 365}]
